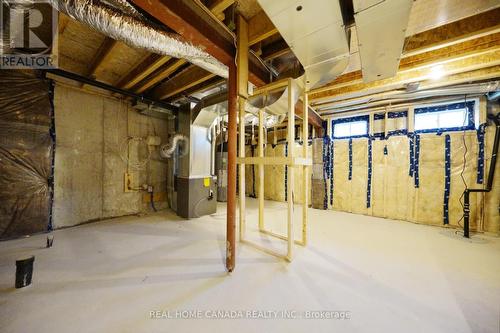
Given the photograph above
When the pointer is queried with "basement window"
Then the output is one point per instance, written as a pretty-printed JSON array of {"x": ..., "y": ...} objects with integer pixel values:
[
  {"x": 449, "y": 117},
  {"x": 354, "y": 127}
]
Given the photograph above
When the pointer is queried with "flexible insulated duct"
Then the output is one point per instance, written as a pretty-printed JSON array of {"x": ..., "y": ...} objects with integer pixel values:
[
  {"x": 166, "y": 151},
  {"x": 123, "y": 25}
]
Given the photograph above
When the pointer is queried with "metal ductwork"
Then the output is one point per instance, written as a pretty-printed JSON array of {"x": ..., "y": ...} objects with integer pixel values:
[
  {"x": 380, "y": 28},
  {"x": 316, "y": 34},
  {"x": 120, "y": 21}
]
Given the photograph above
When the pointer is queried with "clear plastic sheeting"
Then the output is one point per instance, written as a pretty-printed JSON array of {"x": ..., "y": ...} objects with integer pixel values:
[{"x": 25, "y": 154}]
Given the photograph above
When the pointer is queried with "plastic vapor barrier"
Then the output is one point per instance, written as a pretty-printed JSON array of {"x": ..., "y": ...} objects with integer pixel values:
[{"x": 25, "y": 154}]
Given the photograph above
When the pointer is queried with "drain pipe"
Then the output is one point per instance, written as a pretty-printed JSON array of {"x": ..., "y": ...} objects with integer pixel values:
[{"x": 491, "y": 174}]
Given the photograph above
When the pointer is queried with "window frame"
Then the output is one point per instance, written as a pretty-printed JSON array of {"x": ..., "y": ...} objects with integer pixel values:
[
  {"x": 469, "y": 107},
  {"x": 364, "y": 118}
]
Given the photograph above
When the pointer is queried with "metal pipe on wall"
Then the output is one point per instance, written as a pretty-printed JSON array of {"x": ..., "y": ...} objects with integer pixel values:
[{"x": 231, "y": 169}]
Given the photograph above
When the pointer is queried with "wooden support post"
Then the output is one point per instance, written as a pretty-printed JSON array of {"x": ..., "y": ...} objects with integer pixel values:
[
  {"x": 261, "y": 170},
  {"x": 291, "y": 141},
  {"x": 242, "y": 199},
  {"x": 231, "y": 170},
  {"x": 305, "y": 168},
  {"x": 242, "y": 79}
]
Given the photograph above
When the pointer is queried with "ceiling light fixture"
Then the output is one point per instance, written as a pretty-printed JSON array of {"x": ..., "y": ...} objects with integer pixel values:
[{"x": 436, "y": 72}]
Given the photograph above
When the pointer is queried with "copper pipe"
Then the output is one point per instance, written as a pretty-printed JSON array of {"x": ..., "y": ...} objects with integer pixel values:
[{"x": 231, "y": 169}]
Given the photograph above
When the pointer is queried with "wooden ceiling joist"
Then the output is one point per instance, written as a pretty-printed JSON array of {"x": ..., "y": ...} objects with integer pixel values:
[
  {"x": 102, "y": 55},
  {"x": 186, "y": 79},
  {"x": 260, "y": 27},
  {"x": 193, "y": 24},
  {"x": 160, "y": 75},
  {"x": 146, "y": 67},
  {"x": 219, "y": 6},
  {"x": 190, "y": 21}
]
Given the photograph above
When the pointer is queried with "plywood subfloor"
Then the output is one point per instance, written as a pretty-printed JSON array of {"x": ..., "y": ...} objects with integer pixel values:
[{"x": 392, "y": 277}]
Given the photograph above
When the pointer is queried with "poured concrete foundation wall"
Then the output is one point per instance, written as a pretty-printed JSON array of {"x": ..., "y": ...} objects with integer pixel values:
[{"x": 91, "y": 133}]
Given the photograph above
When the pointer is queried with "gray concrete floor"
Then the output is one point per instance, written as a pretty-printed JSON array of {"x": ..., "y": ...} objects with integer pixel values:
[{"x": 390, "y": 276}]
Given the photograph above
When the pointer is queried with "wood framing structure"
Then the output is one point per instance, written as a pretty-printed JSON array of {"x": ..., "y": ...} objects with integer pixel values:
[{"x": 291, "y": 161}]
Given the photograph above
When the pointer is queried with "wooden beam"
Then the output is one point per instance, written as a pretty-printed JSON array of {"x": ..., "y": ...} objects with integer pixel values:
[
  {"x": 190, "y": 21},
  {"x": 190, "y": 77},
  {"x": 472, "y": 27},
  {"x": 146, "y": 66},
  {"x": 260, "y": 27},
  {"x": 160, "y": 75},
  {"x": 102, "y": 55},
  {"x": 219, "y": 6},
  {"x": 63, "y": 22},
  {"x": 275, "y": 50},
  {"x": 203, "y": 86}
]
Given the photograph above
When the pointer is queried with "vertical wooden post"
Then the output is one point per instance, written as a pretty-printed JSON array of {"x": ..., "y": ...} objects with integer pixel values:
[
  {"x": 242, "y": 78},
  {"x": 305, "y": 168},
  {"x": 231, "y": 170},
  {"x": 291, "y": 141},
  {"x": 261, "y": 170}
]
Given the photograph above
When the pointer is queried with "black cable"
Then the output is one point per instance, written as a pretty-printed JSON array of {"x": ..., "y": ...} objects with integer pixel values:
[{"x": 464, "y": 160}]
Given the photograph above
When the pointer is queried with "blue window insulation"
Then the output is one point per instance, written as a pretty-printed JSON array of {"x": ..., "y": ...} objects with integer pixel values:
[
  {"x": 331, "y": 172},
  {"x": 350, "y": 120},
  {"x": 447, "y": 178},
  {"x": 417, "y": 161},
  {"x": 411, "y": 141},
  {"x": 470, "y": 114},
  {"x": 480, "y": 156},
  {"x": 286, "y": 172},
  {"x": 326, "y": 141},
  {"x": 350, "y": 159},
  {"x": 369, "y": 183}
]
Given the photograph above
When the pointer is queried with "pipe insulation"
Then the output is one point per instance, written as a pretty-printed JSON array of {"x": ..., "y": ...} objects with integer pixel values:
[{"x": 129, "y": 28}]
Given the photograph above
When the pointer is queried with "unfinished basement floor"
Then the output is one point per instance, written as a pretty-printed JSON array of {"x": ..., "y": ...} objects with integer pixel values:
[{"x": 391, "y": 276}]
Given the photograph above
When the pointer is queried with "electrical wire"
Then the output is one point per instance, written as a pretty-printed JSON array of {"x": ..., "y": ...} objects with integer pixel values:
[{"x": 124, "y": 153}]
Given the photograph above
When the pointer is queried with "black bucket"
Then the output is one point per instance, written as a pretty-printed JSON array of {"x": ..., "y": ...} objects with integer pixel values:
[{"x": 24, "y": 272}]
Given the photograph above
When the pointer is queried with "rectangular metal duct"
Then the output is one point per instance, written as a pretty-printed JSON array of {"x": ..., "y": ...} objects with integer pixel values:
[
  {"x": 315, "y": 32},
  {"x": 381, "y": 27}
]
